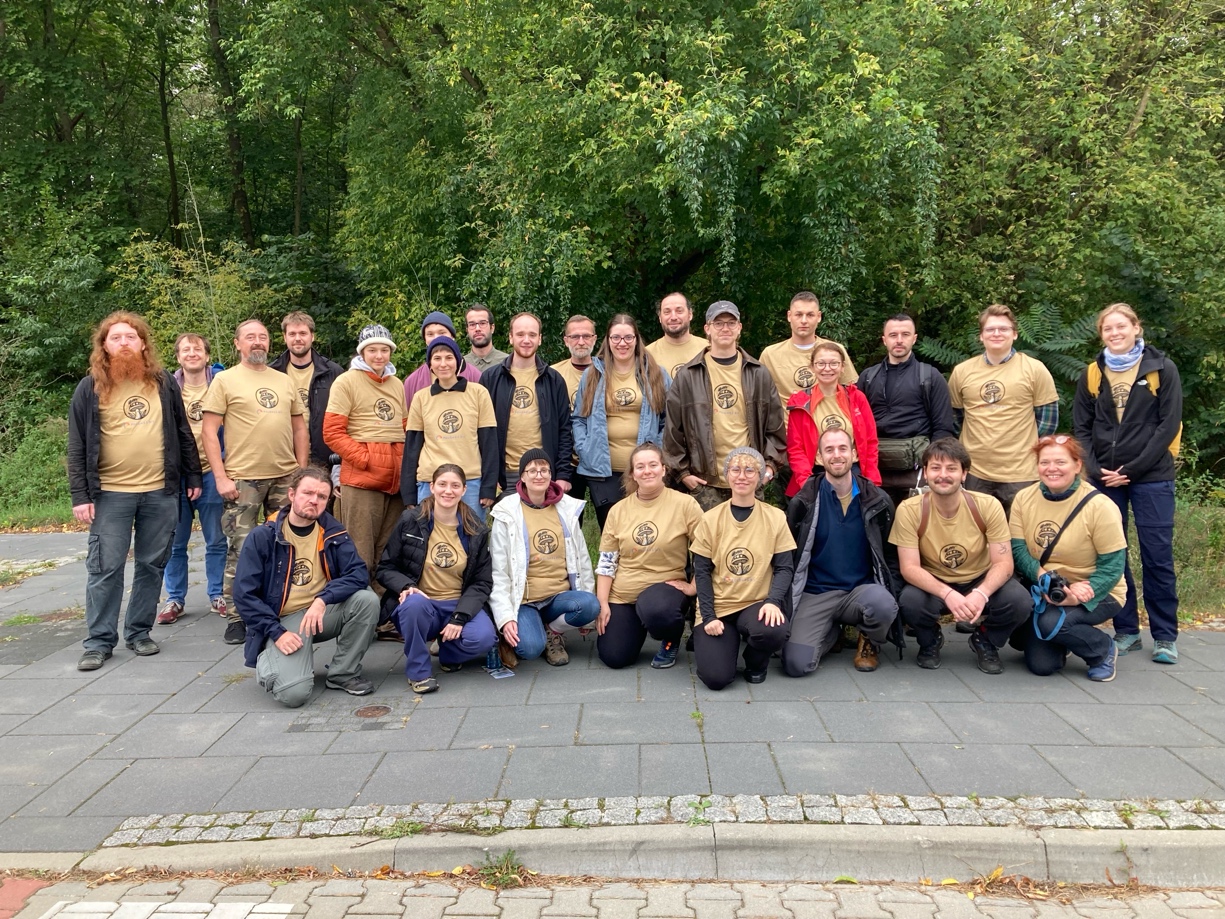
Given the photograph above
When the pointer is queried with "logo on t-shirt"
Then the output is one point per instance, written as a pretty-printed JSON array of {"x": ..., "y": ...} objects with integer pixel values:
[
  {"x": 195, "y": 410},
  {"x": 833, "y": 422},
  {"x": 136, "y": 408},
  {"x": 304, "y": 397},
  {"x": 953, "y": 556},
  {"x": 740, "y": 561},
  {"x": 676, "y": 369},
  {"x": 383, "y": 409},
  {"x": 301, "y": 575},
  {"x": 522, "y": 397},
  {"x": 725, "y": 395},
  {"x": 450, "y": 421},
  {"x": 1119, "y": 393},
  {"x": 624, "y": 397},
  {"x": 804, "y": 378},
  {"x": 645, "y": 533},
  {"x": 546, "y": 542},
  {"x": 444, "y": 556},
  {"x": 267, "y": 398},
  {"x": 992, "y": 391},
  {"x": 1046, "y": 533}
]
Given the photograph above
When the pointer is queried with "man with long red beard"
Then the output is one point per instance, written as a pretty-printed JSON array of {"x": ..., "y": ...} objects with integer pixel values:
[{"x": 130, "y": 450}]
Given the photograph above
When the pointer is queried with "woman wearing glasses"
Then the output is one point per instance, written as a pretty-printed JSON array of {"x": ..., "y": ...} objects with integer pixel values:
[
  {"x": 829, "y": 404},
  {"x": 619, "y": 404},
  {"x": 1068, "y": 542},
  {"x": 742, "y": 561},
  {"x": 1128, "y": 417}
]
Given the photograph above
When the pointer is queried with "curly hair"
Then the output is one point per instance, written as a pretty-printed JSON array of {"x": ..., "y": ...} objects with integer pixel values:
[{"x": 100, "y": 359}]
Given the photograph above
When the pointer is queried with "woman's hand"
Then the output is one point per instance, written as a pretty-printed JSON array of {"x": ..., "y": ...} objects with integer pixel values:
[
  {"x": 714, "y": 628},
  {"x": 770, "y": 614},
  {"x": 409, "y": 591},
  {"x": 450, "y": 632},
  {"x": 510, "y": 632},
  {"x": 688, "y": 588},
  {"x": 601, "y": 621}
]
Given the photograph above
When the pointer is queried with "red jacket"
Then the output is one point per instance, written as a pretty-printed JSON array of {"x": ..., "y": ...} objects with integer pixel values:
[{"x": 802, "y": 435}]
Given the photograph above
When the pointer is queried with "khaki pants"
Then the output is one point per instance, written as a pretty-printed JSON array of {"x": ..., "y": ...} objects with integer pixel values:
[
  {"x": 240, "y": 517},
  {"x": 369, "y": 516}
]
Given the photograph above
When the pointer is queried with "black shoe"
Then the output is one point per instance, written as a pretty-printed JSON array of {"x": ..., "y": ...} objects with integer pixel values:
[
  {"x": 144, "y": 647},
  {"x": 755, "y": 676},
  {"x": 988, "y": 656},
  {"x": 93, "y": 660},
  {"x": 965, "y": 628},
  {"x": 354, "y": 686},
  {"x": 236, "y": 632},
  {"x": 929, "y": 658}
]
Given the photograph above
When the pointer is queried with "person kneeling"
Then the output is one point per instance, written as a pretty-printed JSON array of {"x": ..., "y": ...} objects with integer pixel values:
[
  {"x": 845, "y": 569},
  {"x": 299, "y": 581}
]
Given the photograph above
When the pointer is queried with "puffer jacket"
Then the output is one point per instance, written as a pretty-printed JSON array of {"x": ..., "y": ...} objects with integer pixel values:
[
  {"x": 802, "y": 435},
  {"x": 591, "y": 432},
  {"x": 365, "y": 464}
]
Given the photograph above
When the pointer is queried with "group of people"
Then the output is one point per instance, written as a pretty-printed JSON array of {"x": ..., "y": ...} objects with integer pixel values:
[{"x": 774, "y": 506}]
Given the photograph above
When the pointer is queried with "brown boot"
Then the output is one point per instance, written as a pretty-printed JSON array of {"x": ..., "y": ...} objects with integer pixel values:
[
  {"x": 867, "y": 655},
  {"x": 506, "y": 653}
]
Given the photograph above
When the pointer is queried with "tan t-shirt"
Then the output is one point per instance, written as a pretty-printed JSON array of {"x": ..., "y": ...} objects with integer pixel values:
[
  {"x": 257, "y": 407},
  {"x": 652, "y": 538},
  {"x": 1097, "y": 530},
  {"x": 999, "y": 402},
  {"x": 375, "y": 409},
  {"x": 742, "y": 553},
  {"x": 953, "y": 550},
  {"x": 442, "y": 576},
  {"x": 827, "y": 413},
  {"x": 623, "y": 417},
  {"x": 731, "y": 427},
  {"x": 301, "y": 378},
  {"x": 307, "y": 577},
  {"x": 193, "y": 405},
  {"x": 523, "y": 427},
  {"x": 791, "y": 367},
  {"x": 449, "y": 423},
  {"x": 546, "y": 561},
  {"x": 1120, "y": 386},
  {"x": 671, "y": 356},
  {"x": 572, "y": 375},
  {"x": 131, "y": 451}
]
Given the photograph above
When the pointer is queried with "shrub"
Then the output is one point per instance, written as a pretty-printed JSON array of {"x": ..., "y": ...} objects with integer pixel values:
[{"x": 34, "y": 479}]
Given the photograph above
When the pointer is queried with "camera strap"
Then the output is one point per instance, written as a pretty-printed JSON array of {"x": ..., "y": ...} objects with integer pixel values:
[
  {"x": 1037, "y": 591},
  {"x": 1050, "y": 546}
]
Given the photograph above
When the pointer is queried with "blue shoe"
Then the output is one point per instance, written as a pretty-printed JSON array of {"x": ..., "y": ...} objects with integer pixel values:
[
  {"x": 1127, "y": 643},
  {"x": 1165, "y": 652},
  {"x": 1104, "y": 672},
  {"x": 665, "y": 657}
]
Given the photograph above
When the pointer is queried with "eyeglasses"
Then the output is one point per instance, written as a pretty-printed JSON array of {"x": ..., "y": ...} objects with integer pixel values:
[
  {"x": 478, "y": 323},
  {"x": 746, "y": 471},
  {"x": 537, "y": 473},
  {"x": 725, "y": 323},
  {"x": 580, "y": 336},
  {"x": 827, "y": 365},
  {"x": 1059, "y": 440},
  {"x": 623, "y": 339},
  {"x": 998, "y": 330}
]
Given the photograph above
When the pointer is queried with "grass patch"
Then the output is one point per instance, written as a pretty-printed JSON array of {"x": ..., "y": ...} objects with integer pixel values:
[
  {"x": 1199, "y": 554},
  {"x": 34, "y": 479},
  {"x": 504, "y": 871},
  {"x": 22, "y": 619},
  {"x": 401, "y": 829},
  {"x": 230, "y": 679},
  {"x": 15, "y": 574}
]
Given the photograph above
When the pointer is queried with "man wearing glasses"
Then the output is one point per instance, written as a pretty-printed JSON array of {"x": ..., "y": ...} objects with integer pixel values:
[
  {"x": 790, "y": 361},
  {"x": 721, "y": 399},
  {"x": 678, "y": 345},
  {"x": 483, "y": 354}
]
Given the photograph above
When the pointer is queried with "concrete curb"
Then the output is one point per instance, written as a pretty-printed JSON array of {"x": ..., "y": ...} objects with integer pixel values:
[{"x": 733, "y": 852}]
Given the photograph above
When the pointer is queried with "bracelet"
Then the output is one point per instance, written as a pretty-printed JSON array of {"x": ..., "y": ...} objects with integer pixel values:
[
  {"x": 946, "y": 594},
  {"x": 986, "y": 599}
]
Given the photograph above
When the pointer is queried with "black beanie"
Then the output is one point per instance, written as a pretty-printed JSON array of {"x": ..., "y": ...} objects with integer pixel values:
[{"x": 530, "y": 456}]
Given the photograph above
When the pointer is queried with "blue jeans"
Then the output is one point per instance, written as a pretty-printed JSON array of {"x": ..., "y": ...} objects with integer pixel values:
[
  {"x": 472, "y": 496},
  {"x": 208, "y": 506},
  {"x": 1152, "y": 504},
  {"x": 422, "y": 620},
  {"x": 151, "y": 515},
  {"x": 575, "y": 609}
]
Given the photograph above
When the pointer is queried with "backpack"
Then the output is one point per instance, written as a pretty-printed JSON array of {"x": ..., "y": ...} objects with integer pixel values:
[{"x": 1093, "y": 380}]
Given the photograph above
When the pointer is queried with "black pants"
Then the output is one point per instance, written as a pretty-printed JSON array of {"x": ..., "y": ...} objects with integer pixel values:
[
  {"x": 660, "y": 612},
  {"x": 716, "y": 654},
  {"x": 605, "y": 492},
  {"x": 1003, "y": 492},
  {"x": 1078, "y": 635},
  {"x": 1008, "y": 607}
]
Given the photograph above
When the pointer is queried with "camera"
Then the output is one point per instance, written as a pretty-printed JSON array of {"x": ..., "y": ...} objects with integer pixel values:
[{"x": 1057, "y": 590}]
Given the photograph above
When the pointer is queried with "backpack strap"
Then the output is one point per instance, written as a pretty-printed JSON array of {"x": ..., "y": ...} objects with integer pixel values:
[
  {"x": 925, "y": 512},
  {"x": 974, "y": 512},
  {"x": 925, "y": 509}
]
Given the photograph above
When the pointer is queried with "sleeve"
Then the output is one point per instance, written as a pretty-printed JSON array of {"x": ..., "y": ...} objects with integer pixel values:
[
  {"x": 78, "y": 412},
  {"x": 353, "y": 577},
  {"x": 565, "y": 434},
  {"x": 955, "y": 388},
  {"x": 336, "y": 427},
  {"x": 389, "y": 573},
  {"x": 216, "y": 398},
  {"x": 676, "y": 453},
  {"x": 776, "y": 426},
  {"x": 1169, "y": 410},
  {"x": 248, "y": 584},
  {"x": 1024, "y": 563},
  {"x": 993, "y": 516},
  {"x": 800, "y": 457},
  {"x": 869, "y": 449},
  {"x": 783, "y": 564},
  {"x": 578, "y": 423},
  {"x": 703, "y": 573},
  {"x": 1046, "y": 417},
  {"x": 1107, "y": 573},
  {"x": 943, "y": 424},
  {"x": 1084, "y": 412},
  {"x": 499, "y": 550},
  {"x": 905, "y": 532},
  {"x": 487, "y": 444},
  {"x": 414, "y": 442}
]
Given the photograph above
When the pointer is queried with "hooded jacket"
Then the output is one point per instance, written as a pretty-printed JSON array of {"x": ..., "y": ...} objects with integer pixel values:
[
  {"x": 321, "y": 387},
  {"x": 364, "y": 464},
  {"x": 802, "y": 435},
  {"x": 591, "y": 431},
  {"x": 553, "y": 402}
]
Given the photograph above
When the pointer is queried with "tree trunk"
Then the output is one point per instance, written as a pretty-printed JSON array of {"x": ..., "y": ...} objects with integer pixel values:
[
  {"x": 299, "y": 177},
  {"x": 174, "y": 210},
  {"x": 229, "y": 105}
]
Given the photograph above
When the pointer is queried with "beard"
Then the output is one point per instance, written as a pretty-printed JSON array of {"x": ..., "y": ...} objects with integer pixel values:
[
  {"x": 479, "y": 339},
  {"x": 127, "y": 366},
  {"x": 257, "y": 356}
]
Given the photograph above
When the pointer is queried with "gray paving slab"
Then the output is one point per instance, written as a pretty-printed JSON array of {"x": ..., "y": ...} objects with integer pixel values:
[
  {"x": 1209, "y": 762},
  {"x": 997, "y": 769},
  {"x": 1150, "y": 687},
  {"x": 1206, "y": 683},
  {"x": 1210, "y": 719},
  {"x": 194, "y": 696},
  {"x": 161, "y": 736},
  {"x": 914, "y": 685},
  {"x": 1017, "y": 684},
  {"x": 870, "y": 722},
  {"x": 848, "y": 768},
  {"x": 436, "y": 775},
  {"x": 672, "y": 769},
  {"x": 425, "y": 729},
  {"x": 576, "y": 685},
  {"x": 473, "y": 688},
  {"x": 761, "y": 722},
  {"x": 269, "y": 734},
  {"x": 1014, "y": 722},
  {"x": 82, "y": 713},
  {"x": 530, "y": 726},
  {"x": 43, "y": 758},
  {"x": 300, "y": 781},
  {"x": 624, "y": 722},
  {"x": 744, "y": 768},
  {"x": 567, "y": 772},
  {"x": 829, "y": 683},
  {"x": 1131, "y": 725},
  {"x": 74, "y": 788},
  {"x": 13, "y": 797},
  {"x": 168, "y": 786},
  {"x": 673, "y": 685},
  {"x": 63, "y": 834},
  {"x": 31, "y": 696},
  {"x": 1129, "y": 772}
]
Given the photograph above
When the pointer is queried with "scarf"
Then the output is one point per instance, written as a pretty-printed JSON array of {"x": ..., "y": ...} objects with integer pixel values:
[
  {"x": 1121, "y": 362},
  {"x": 358, "y": 364},
  {"x": 1063, "y": 496},
  {"x": 552, "y": 494}
]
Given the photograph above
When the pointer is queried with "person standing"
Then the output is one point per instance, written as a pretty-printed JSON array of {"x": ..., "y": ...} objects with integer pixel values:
[
  {"x": 1128, "y": 417},
  {"x": 580, "y": 341},
  {"x": 432, "y": 326},
  {"x": 677, "y": 346},
  {"x": 721, "y": 399},
  {"x": 910, "y": 402},
  {"x": 193, "y": 378},
  {"x": 312, "y": 375},
  {"x": 1005, "y": 400},
  {"x": 790, "y": 361},
  {"x": 482, "y": 355},
  {"x": 130, "y": 454},
  {"x": 266, "y": 441}
]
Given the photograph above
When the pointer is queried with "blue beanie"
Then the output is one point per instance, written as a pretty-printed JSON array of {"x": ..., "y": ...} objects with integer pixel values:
[
  {"x": 442, "y": 342},
  {"x": 438, "y": 318}
]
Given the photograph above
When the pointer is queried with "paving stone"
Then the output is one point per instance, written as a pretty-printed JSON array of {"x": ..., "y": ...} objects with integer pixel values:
[
  {"x": 648, "y": 815},
  {"x": 817, "y": 801},
  {"x": 761, "y": 901},
  {"x": 681, "y": 807},
  {"x": 283, "y": 830},
  {"x": 862, "y": 815},
  {"x": 845, "y": 801},
  {"x": 515, "y": 819},
  {"x": 140, "y": 823},
  {"x": 922, "y": 803},
  {"x": 216, "y": 834},
  {"x": 1001, "y": 817},
  {"x": 123, "y": 838},
  {"x": 239, "y": 833},
  {"x": 618, "y": 892},
  {"x": 551, "y": 819},
  {"x": 902, "y": 895},
  {"x": 187, "y": 834},
  {"x": 570, "y": 902},
  {"x": 199, "y": 890},
  {"x": 667, "y": 901},
  {"x": 1143, "y": 821},
  {"x": 171, "y": 820},
  {"x": 860, "y": 904},
  {"x": 897, "y": 816},
  {"x": 200, "y": 820},
  {"x": 318, "y": 827},
  {"x": 714, "y": 892},
  {"x": 294, "y": 891},
  {"x": 964, "y": 817},
  {"x": 1070, "y": 820},
  {"x": 749, "y": 808},
  {"x": 932, "y": 818},
  {"x": 233, "y": 818},
  {"x": 340, "y": 888},
  {"x": 660, "y": 801},
  {"x": 475, "y": 901},
  {"x": 135, "y": 910},
  {"x": 620, "y": 816},
  {"x": 823, "y": 814},
  {"x": 329, "y": 907},
  {"x": 254, "y": 889},
  {"x": 268, "y": 816},
  {"x": 813, "y": 909},
  {"x": 349, "y": 826},
  {"x": 1190, "y": 899},
  {"x": 512, "y": 909}
]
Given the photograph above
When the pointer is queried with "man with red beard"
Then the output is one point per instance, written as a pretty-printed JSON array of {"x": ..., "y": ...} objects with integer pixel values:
[{"x": 130, "y": 449}]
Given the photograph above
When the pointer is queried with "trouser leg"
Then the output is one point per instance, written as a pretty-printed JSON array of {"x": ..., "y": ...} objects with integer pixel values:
[
  {"x": 419, "y": 619},
  {"x": 760, "y": 640},
  {"x": 352, "y": 624},
  {"x": 209, "y": 508},
  {"x": 1008, "y": 608},
  {"x": 870, "y": 607},
  {"x": 715, "y": 655},
  {"x": 922, "y": 611},
  {"x": 175, "y": 577},
  {"x": 662, "y": 610},
  {"x": 572, "y": 609},
  {"x": 1152, "y": 505},
  {"x": 605, "y": 492},
  {"x": 110, "y": 536},
  {"x": 623, "y": 637},
  {"x": 1078, "y": 635},
  {"x": 812, "y": 632},
  {"x": 531, "y": 633},
  {"x": 238, "y": 518},
  {"x": 156, "y": 513},
  {"x": 289, "y": 677},
  {"x": 1127, "y": 620},
  {"x": 476, "y": 639}
]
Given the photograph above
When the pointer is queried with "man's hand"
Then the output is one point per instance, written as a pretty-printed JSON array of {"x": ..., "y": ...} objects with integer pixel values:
[
  {"x": 194, "y": 493},
  {"x": 714, "y": 628},
  {"x": 226, "y": 487},
  {"x": 963, "y": 609},
  {"x": 288, "y": 643},
  {"x": 510, "y": 632},
  {"x": 450, "y": 632},
  {"x": 692, "y": 482},
  {"x": 563, "y": 485},
  {"x": 770, "y": 614},
  {"x": 486, "y": 502},
  {"x": 84, "y": 513},
  {"x": 312, "y": 619}
]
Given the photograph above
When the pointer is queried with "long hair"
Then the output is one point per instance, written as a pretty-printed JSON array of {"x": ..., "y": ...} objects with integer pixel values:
[
  {"x": 467, "y": 519},
  {"x": 100, "y": 360},
  {"x": 646, "y": 370}
]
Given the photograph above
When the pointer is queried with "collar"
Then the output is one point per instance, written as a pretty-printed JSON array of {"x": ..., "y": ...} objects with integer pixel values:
[
  {"x": 1011, "y": 353},
  {"x": 461, "y": 383}
]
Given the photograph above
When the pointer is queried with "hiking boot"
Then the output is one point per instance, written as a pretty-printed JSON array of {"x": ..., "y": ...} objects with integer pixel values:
[
  {"x": 755, "y": 676},
  {"x": 450, "y": 668},
  {"x": 929, "y": 658},
  {"x": 555, "y": 650},
  {"x": 424, "y": 687},
  {"x": 354, "y": 685},
  {"x": 964, "y": 628},
  {"x": 988, "y": 656},
  {"x": 1104, "y": 672},
  {"x": 235, "y": 632},
  {"x": 867, "y": 655},
  {"x": 1165, "y": 652},
  {"x": 144, "y": 647},
  {"x": 665, "y": 657},
  {"x": 170, "y": 612},
  {"x": 1126, "y": 643},
  {"x": 220, "y": 607},
  {"x": 92, "y": 660}
]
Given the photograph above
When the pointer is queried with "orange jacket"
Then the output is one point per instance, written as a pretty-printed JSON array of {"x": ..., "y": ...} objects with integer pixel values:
[{"x": 374, "y": 466}]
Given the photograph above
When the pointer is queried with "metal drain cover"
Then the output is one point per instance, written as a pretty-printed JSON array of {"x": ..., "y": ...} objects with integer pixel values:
[{"x": 373, "y": 711}]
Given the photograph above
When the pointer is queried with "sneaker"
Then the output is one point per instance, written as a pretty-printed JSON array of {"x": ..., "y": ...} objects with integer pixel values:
[
  {"x": 1165, "y": 652},
  {"x": 1126, "y": 643},
  {"x": 867, "y": 654},
  {"x": 555, "y": 650},
  {"x": 354, "y": 685},
  {"x": 988, "y": 656},
  {"x": 1104, "y": 672},
  {"x": 219, "y": 606},
  {"x": 92, "y": 660},
  {"x": 929, "y": 658},
  {"x": 170, "y": 612},
  {"x": 665, "y": 657},
  {"x": 144, "y": 647},
  {"x": 423, "y": 687},
  {"x": 235, "y": 632},
  {"x": 450, "y": 668}
]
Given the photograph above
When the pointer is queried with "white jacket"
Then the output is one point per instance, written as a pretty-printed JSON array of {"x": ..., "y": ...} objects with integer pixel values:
[{"x": 508, "y": 547}]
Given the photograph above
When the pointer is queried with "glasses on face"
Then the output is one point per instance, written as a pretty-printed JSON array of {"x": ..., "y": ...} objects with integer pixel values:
[
  {"x": 725, "y": 323},
  {"x": 536, "y": 473},
  {"x": 827, "y": 365},
  {"x": 478, "y": 323},
  {"x": 747, "y": 471},
  {"x": 623, "y": 339},
  {"x": 581, "y": 336},
  {"x": 997, "y": 330}
]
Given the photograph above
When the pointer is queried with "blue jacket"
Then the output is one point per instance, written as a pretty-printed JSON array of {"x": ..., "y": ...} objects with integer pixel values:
[
  {"x": 261, "y": 581},
  {"x": 591, "y": 432}
]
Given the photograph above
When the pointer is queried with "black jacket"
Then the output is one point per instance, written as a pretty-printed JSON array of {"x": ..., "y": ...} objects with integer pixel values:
[
  {"x": 404, "y": 558},
  {"x": 180, "y": 457},
  {"x": 325, "y": 374},
  {"x": 902, "y": 406},
  {"x": 1140, "y": 443},
  {"x": 553, "y": 401}
]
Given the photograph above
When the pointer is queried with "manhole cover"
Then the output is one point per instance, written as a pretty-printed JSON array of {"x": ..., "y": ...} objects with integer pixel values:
[{"x": 373, "y": 711}]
